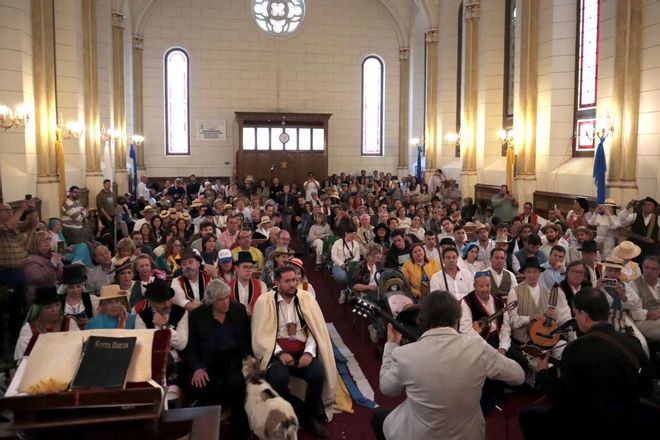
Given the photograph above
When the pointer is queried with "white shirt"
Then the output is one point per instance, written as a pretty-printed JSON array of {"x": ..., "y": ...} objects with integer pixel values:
[
  {"x": 459, "y": 286},
  {"x": 25, "y": 336},
  {"x": 142, "y": 192},
  {"x": 505, "y": 328},
  {"x": 432, "y": 253},
  {"x": 180, "y": 298},
  {"x": 244, "y": 291},
  {"x": 626, "y": 218},
  {"x": 343, "y": 252},
  {"x": 484, "y": 252},
  {"x": 179, "y": 334},
  {"x": 287, "y": 314}
]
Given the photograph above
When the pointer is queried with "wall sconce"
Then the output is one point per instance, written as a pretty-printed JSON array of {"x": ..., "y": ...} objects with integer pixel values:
[
  {"x": 506, "y": 138},
  {"x": 110, "y": 134},
  {"x": 454, "y": 138},
  {"x": 604, "y": 128},
  {"x": 72, "y": 130},
  {"x": 137, "y": 139},
  {"x": 13, "y": 118}
]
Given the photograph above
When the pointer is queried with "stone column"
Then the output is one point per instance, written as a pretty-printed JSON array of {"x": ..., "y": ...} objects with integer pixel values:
[
  {"x": 471, "y": 10},
  {"x": 431, "y": 135},
  {"x": 525, "y": 117},
  {"x": 45, "y": 110},
  {"x": 93, "y": 175},
  {"x": 622, "y": 163},
  {"x": 404, "y": 107},
  {"x": 119, "y": 117},
  {"x": 138, "y": 108}
]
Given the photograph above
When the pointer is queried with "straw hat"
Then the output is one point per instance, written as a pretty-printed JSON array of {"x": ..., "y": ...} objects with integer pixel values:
[
  {"x": 502, "y": 238},
  {"x": 185, "y": 216},
  {"x": 280, "y": 250},
  {"x": 298, "y": 263},
  {"x": 610, "y": 202},
  {"x": 111, "y": 291},
  {"x": 554, "y": 226},
  {"x": 525, "y": 225},
  {"x": 478, "y": 226},
  {"x": 265, "y": 219},
  {"x": 165, "y": 213},
  {"x": 626, "y": 250},
  {"x": 148, "y": 208},
  {"x": 123, "y": 263},
  {"x": 197, "y": 203},
  {"x": 583, "y": 229},
  {"x": 613, "y": 261}
]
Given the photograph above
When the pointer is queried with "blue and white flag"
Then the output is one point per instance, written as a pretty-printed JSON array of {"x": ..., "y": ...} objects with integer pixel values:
[
  {"x": 600, "y": 168},
  {"x": 132, "y": 155}
]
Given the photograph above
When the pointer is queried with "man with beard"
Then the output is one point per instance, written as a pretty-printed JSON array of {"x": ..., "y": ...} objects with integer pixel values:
[
  {"x": 582, "y": 234},
  {"x": 290, "y": 337},
  {"x": 189, "y": 288},
  {"x": 552, "y": 236},
  {"x": 484, "y": 241},
  {"x": 158, "y": 312},
  {"x": 73, "y": 218}
]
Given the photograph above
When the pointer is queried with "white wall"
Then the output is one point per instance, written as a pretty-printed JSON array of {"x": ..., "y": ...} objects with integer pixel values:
[
  {"x": 236, "y": 67},
  {"x": 18, "y": 164}
]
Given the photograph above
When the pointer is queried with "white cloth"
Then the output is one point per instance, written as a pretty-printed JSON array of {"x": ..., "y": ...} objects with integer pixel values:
[
  {"x": 180, "y": 298},
  {"x": 343, "y": 252},
  {"x": 244, "y": 291},
  {"x": 142, "y": 192},
  {"x": 179, "y": 334},
  {"x": 287, "y": 314},
  {"x": 432, "y": 254},
  {"x": 443, "y": 375},
  {"x": 459, "y": 286}
]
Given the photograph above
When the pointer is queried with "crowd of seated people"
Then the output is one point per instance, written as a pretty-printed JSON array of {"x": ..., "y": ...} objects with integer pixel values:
[{"x": 202, "y": 260}]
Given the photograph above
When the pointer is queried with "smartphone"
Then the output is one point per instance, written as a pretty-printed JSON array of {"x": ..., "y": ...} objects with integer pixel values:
[
  {"x": 28, "y": 196},
  {"x": 60, "y": 247}
]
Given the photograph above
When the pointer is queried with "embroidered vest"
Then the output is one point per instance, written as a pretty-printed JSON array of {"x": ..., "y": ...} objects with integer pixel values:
[
  {"x": 527, "y": 307},
  {"x": 478, "y": 312},
  {"x": 254, "y": 289},
  {"x": 203, "y": 281},
  {"x": 504, "y": 288},
  {"x": 648, "y": 300}
]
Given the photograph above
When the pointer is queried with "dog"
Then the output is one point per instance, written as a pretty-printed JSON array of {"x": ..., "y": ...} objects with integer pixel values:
[{"x": 270, "y": 416}]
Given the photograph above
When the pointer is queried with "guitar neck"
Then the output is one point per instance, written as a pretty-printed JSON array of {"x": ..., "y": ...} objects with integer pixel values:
[
  {"x": 398, "y": 326},
  {"x": 502, "y": 311}
]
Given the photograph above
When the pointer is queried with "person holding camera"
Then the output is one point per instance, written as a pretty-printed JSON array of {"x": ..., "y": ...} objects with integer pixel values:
[
  {"x": 310, "y": 186},
  {"x": 644, "y": 222},
  {"x": 344, "y": 251},
  {"x": 505, "y": 204}
]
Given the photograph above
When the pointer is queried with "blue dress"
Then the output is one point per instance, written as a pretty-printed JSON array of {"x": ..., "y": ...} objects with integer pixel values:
[{"x": 109, "y": 322}]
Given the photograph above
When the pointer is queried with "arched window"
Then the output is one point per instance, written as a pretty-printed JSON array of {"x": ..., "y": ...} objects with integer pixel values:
[
  {"x": 586, "y": 76},
  {"x": 509, "y": 65},
  {"x": 459, "y": 76},
  {"x": 177, "y": 102},
  {"x": 372, "y": 106}
]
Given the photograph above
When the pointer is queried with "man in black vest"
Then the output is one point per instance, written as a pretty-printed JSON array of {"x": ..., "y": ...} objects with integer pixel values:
[
  {"x": 644, "y": 224},
  {"x": 480, "y": 304},
  {"x": 156, "y": 311}
]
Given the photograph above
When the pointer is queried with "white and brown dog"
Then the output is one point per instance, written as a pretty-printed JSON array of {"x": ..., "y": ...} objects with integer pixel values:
[{"x": 270, "y": 416}]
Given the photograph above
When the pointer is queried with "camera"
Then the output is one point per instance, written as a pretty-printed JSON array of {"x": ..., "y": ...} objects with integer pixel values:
[
  {"x": 610, "y": 282},
  {"x": 28, "y": 196}
]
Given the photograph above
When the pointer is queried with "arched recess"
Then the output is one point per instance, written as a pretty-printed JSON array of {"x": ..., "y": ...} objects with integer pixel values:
[
  {"x": 425, "y": 10},
  {"x": 397, "y": 22},
  {"x": 143, "y": 16}
]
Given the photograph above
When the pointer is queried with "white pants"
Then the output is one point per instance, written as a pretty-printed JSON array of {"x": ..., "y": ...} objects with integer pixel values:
[{"x": 317, "y": 245}]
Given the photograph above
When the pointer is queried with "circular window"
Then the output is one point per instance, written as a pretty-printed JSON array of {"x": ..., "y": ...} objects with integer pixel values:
[{"x": 278, "y": 17}]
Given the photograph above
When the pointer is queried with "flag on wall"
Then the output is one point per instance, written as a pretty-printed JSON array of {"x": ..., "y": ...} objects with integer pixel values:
[
  {"x": 600, "y": 168},
  {"x": 419, "y": 165},
  {"x": 133, "y": 157}
]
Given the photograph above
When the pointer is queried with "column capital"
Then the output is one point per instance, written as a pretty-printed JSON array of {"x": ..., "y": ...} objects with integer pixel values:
[
  {"x": 117, "y": 19},
  {"x": 404, "y": 53},
  {"x": 138, "y": 42},
  {"x": 471, "y": 9},
  {"x": 432, "y": 36}
]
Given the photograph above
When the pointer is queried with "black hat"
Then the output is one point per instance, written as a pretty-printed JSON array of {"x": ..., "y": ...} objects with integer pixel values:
[
  {"x": 531, "y": 262},
  {"x": 158, "y": 291},
  {"x": 381, "y": 226},
  {"x": 650, "y": 199},
  {"x": 74, "y": 274},
  {"x": 46, "y": 295},
  {"x": 186, "y": 254},
  {"x": 589, "y": 246},
  {"x": 244, "y": 257}
]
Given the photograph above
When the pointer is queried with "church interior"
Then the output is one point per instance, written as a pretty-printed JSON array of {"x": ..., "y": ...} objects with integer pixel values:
[{"x": 124, "y": 104}]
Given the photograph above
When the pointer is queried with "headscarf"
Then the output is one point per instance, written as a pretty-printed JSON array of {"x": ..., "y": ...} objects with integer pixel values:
[{"x": 466, "y": 248}]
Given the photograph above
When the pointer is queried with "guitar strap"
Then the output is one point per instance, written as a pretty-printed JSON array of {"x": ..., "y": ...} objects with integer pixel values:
[{"x": 622, "y": 348}]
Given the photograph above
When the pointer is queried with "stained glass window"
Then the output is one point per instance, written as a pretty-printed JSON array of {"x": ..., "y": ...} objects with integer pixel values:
[
  {"x": 509, "y": 62},
  {"x": 177, "y": 105},
  {"x": 372, "y": 106},
  {"x": 586, "y": 86},
  {"x": 264, "y": 138},
  {"x": 278, "y": 17}
]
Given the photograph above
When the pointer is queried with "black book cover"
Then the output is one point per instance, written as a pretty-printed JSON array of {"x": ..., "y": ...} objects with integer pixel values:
[{"x": 104, "y": 362}]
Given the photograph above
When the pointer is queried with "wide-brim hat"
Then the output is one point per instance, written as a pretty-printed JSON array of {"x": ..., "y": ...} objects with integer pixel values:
[
  {"x": 197, "y": 203},
  {"x": 280, "y": 250},
  {"x": 609, "y": 202},
  {"x": 613, "y": 262},
  {"x": 298, "y": 263},
  {"x": 244, "y": 257},
  {"x": 589, "y": 246},
  {"x": 187, "y": 254},
  {"x": 627, "y": 250},
  {"x": 650, "y": 199},
  {"x": 478, "y": 226},
  {"x": 111, "y": 291},
  {"x": 185, "y": 216},
  {"x": 165, "y": 213},
  {"x": 224, "y": 256},
  {"x": 503, "y": 238},
  {"x": 74, "y": 274},
  {"x": 148, "y": 208},
  {"x": 554, "y": 226},
  {"x": 123, "y": 263},
  {"x": 173, "y": 211},
  {"x": 158, "y": 291},
  {"x": 46, "y": 295},
  {"x": 525, "y": 225},
  {"x": 530, "y": 263},
  {"x": 583, "y": 229},
  {"x": 264, "y": 219}
]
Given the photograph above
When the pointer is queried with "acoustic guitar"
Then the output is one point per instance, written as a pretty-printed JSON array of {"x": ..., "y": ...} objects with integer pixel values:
[
  {"x": 535, "y": 351},
  {"x": 540, "y": 332},
  {"x": 480, "y": 326}
]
